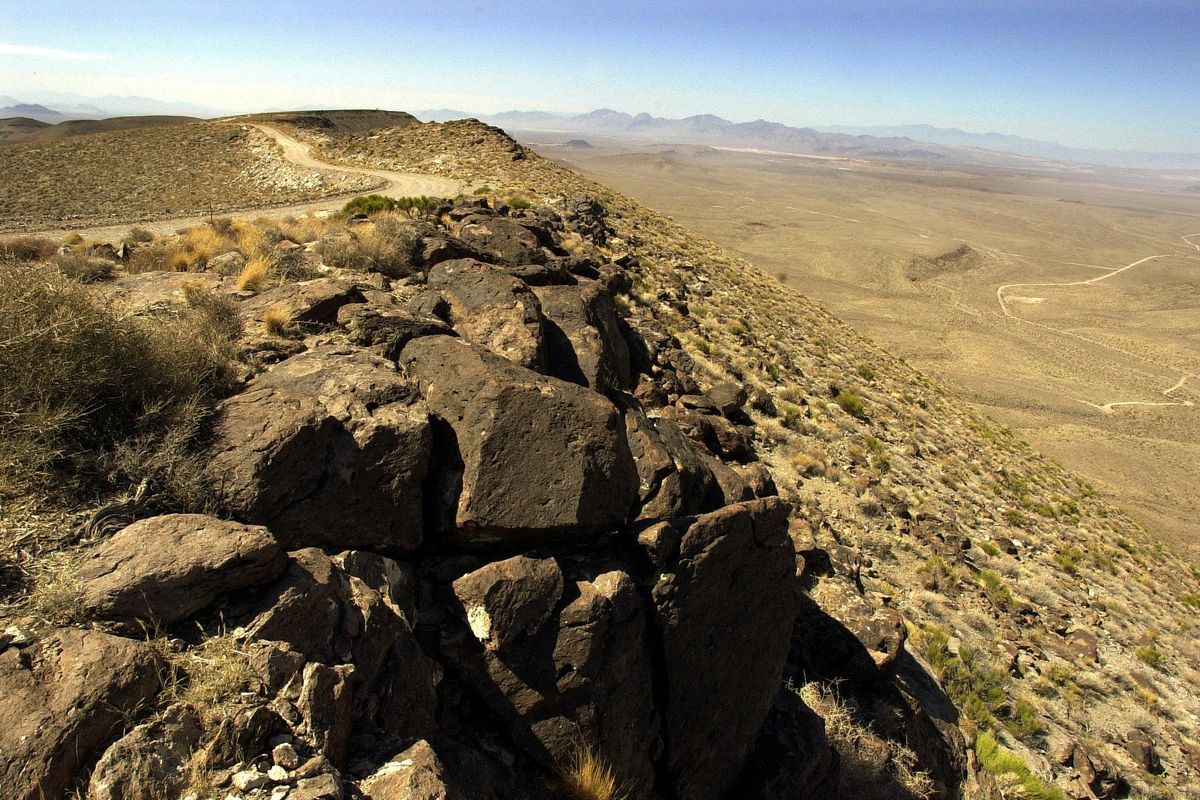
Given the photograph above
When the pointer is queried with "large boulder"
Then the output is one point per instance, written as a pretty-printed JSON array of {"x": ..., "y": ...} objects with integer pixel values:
[
  {"x": 151, "y": 761},
  {"x": 63, "y": 697},
  {"x": 491, "y": 308},
  {"x": 387, "y": 328},
  {"x": 562, "y": 656},
  {"x": 160, "y": 290},
  {"x": 521, "y": 456},
  {"x": 724, "y": 604},
  {"x": 791, "y": 758},
  {"x": 504, "y": 240},
  {"x": 164, "y": 569},
  {"x": 314, "y": 302},
  {"x": 355, "y": 608},
  {"x": 327, "y": 448},
  {"x": 584, "y": 342},
  {"x": 674, "y": 480}
]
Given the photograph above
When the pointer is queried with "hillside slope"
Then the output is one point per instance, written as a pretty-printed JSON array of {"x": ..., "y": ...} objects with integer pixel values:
[
  {"x": 145, "y": 173},
  {"x": 1045, "y": 591},
  {"x": 491, "y": 514}
]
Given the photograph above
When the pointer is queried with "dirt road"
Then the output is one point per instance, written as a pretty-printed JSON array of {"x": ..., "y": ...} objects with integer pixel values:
[{"x": 394, "y": 184}]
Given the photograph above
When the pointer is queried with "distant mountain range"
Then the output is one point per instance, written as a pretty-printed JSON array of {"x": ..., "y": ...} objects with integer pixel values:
[
  {"x": 55, "y": 107},
  {"x": 1034, "y": 148},
  {"x": 910, "y": 142}
]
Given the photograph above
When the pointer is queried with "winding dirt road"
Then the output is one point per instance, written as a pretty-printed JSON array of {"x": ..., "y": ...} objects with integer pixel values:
[
  {"x": 398, "y": 184},
  {"x": 1106, "y": 407},
  {"x": 394, "y": 184}
]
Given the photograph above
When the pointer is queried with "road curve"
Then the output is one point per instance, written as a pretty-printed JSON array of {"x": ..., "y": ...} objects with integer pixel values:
[
  {"x": 395, "y": 184},
  {"x": 1107, "y": 408},
  {"x": 399, "y": 184}
]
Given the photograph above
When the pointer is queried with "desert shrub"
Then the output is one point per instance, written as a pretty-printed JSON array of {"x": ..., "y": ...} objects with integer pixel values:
[
  {"x": 83, "y": 268},
  {"x": 872, "y": 767},
  {"x": 1150, "y": 655},
  {"x": 92, "y": 395},
  {"x": 151, "y": 258},
  {"x": 1009, "y": 768},
  {"x": 423, "y": 204},
  {"x": 368, "y": 204},
  {"x": 390, "y": 245},
  {"x": 138, "y": 235},
  {"x": 28, "y": 248},
  {"x": 517, "y": 201},
  {"x": 852, "y": 404}
]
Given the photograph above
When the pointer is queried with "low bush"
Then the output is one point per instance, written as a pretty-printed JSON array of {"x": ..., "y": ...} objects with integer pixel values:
[
  {"x": 1010, "y": 770},
  {"x": 390, "y": 245},
  {"x": 84, "y": 268},
  {"x": 28, "y": 248},
  {"x": 852, "y": 404},
  {"x": 368, "y": 204},
  {"x": 94, "y": 399}
]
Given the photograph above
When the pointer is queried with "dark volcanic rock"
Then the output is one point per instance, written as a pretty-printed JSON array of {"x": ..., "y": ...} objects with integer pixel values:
[
  {"x": 791, "y": 757},
  {"x": 491, "y": 308},
  {"x": 323, "y": 432},
  {"x": 505, "y": 240},
  {"x": 164, "y": 569},
  {"x": 387, "y": 329},
  {"x": 674, "y": 479},
  {"x": 524, "y": 456},
  {"x": 355, "y": 608},
  {"x": 61, "y": 698},
  {"x": 562, "y": 663},
  {"x": 314, "y": 302},
  {"x": 508, "y": 600},
  {"x": 583, "y": 339},
  {"x": 724, "y": 603},
  {"x": 151, "y": 761}
]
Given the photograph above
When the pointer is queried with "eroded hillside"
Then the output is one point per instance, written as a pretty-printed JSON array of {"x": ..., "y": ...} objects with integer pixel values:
[
  {"x": 153, "y": 173},
  {"x": 493, "y": 488}
]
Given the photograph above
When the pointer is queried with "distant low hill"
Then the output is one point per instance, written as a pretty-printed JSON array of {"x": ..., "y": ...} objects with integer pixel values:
[
  {"x": 18, "y": 128},
  {"x": 25, "y": 130},
  {"x": 1033, "y": 148},
  {"x": 346, "y": 121}
]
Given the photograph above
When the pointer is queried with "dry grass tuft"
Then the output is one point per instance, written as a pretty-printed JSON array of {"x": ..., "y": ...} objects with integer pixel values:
[
  {"x": 28, "y": 248},
  {"x": 255, "y": 275},
  {"x": 871, "y": 768},
  {"x": 277, "y": 321},
  {"x": 390, "y": 244},
  {"x": 54, "y": 596},
  {"x": 588, "y": 777},
  {"x": 84, "y": 379},
  {"x": 251, "y": 239}
]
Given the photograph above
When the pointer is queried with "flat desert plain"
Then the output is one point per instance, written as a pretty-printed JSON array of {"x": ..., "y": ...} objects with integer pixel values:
[{"x": 1064, "y": 302}]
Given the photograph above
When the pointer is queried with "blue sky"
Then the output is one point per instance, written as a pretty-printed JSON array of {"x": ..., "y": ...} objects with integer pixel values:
[{"x": 1091, "y": 74}]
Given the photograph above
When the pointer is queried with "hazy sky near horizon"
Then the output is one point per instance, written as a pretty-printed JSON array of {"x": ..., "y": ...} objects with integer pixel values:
[{"x": 1092, "y": 74}]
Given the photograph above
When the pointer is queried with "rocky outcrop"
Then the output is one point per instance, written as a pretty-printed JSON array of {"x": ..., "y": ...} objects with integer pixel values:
[
  {"x": 563, "y": 658},
  {"x": 723, "y": 606},
  {"x": 164, "y": 569},
  {"x": 492, "y": 309},
  {"x": 63, "y": 697},
  {"x": 325, "y": 431},
  {"x": 484, "y": 526},
  {"x": 521, "y": 456}
]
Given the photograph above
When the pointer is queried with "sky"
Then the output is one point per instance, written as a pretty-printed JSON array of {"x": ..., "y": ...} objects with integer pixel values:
[{"x": 1099, "y": 74}]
